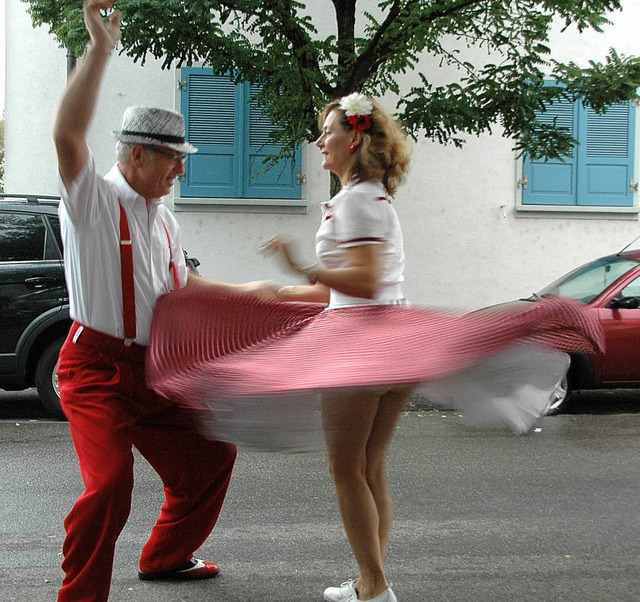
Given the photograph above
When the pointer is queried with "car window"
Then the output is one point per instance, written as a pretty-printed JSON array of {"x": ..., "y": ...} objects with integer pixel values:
[
  {"x": 632, "y": 289},
  {"x": 53, "y": 248},
  {"x": 587, "y": 282},
  {"x": 22, "y": 237}
]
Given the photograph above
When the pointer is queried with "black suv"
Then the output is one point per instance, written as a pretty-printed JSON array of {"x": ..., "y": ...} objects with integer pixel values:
[{"x": 34, "y": 302}]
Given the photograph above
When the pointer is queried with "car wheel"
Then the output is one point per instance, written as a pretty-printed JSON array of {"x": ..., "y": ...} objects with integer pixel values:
[
  {"x": 560, "y": 397},
  {"x": 47, "y": 379}
]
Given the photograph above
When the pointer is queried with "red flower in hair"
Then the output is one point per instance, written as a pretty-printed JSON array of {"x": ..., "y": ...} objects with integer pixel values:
[
  {"x": 357, "y": 107},
  {"x": 359, "y": 122}
]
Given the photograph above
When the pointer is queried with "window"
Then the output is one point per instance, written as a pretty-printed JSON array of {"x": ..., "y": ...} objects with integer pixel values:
[
  {"x": 632, "y": 289},
  {"x": 22, "y": 237},
  {"x": 232, "y": 137},
  {"x": 600, "y": 172},
  {"x": 54, "y": 243},
  {"x": 587, "y": 282}
]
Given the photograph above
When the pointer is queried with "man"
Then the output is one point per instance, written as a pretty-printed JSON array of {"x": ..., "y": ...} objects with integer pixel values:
[{"x": 122, "y": 251}]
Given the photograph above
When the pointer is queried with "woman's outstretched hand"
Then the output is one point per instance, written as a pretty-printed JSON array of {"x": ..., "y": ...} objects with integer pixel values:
[{"x": 278, "y": 245}]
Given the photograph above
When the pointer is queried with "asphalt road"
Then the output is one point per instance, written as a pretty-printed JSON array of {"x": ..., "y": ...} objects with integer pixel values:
[{"x": 481, "y": 515}]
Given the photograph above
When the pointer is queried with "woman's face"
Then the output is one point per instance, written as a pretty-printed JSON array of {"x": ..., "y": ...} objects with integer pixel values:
[{"x": 334, "y": 142}]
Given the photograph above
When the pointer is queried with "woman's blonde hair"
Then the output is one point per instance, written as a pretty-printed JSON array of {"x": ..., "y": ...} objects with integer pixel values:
[{"x": 384, "y": 153}]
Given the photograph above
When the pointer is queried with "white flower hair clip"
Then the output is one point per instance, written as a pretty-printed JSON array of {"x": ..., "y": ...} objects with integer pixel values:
[
  {"x": 356, "y": 104},
  {"x": 357, "y": 107}
]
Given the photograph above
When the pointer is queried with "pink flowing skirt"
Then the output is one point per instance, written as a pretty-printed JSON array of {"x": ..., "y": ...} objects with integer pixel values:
[{"x": 259, "y": 367}]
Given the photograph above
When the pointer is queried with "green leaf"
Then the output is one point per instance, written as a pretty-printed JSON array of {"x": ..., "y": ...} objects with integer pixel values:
[{"x": 277, "y": 44}]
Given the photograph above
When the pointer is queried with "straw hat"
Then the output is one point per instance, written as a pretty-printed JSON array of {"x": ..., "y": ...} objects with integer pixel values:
[{"x": 152, "y": 125}]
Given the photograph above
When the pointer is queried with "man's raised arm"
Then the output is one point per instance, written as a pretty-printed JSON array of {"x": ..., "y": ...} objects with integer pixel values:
[{"x": 78, "y": 102}]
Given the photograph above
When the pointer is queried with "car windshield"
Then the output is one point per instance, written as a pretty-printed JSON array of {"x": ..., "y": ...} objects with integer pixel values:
[{"x": 587, "y": 282}]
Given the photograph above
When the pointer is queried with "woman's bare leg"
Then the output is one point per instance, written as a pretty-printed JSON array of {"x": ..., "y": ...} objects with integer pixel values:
[
  {"x": 389, "y": 408},
  {"x": 358, "y": 430}
]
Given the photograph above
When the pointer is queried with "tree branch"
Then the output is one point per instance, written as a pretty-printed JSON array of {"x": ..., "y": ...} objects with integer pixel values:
[
  {"x": 301, "y": 45},
  {"x": 383, "y": 43}
]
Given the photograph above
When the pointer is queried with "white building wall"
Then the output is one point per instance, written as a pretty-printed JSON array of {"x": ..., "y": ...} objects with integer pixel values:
[{"x": 465, "y": 245}]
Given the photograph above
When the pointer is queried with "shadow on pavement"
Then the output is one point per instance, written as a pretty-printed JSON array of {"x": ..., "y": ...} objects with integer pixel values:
[
  {"x": 614, "y": 401},
  {"x": 25, "y": 405},
  {"x": 21, "y": 405}
]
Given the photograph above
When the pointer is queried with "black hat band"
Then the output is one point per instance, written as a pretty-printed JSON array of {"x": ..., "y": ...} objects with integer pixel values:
[{"x": 160, "y": 137}]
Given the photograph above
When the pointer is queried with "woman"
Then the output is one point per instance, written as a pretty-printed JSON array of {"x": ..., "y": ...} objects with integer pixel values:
[
  {"x": 360, "y": 246},
  {"x": 363, "y": 352}
]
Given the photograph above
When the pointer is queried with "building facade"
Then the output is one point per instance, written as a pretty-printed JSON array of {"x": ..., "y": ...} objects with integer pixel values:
[{"x": 481, "y": 226}]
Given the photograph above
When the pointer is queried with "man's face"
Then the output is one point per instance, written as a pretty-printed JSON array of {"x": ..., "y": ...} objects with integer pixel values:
[{"x": 158, "y": 171}]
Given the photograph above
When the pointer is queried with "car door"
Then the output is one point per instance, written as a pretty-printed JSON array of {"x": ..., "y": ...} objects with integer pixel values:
[
  {"x": 32, "y": 281},
  {"x": 621, "y": 360}
]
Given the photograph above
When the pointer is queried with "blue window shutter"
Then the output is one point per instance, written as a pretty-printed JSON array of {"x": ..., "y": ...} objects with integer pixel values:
[
  {"x": 232, "y": 139},
  {"x": 280, "y": 180},
  {"x": 212, "y": 105},
  {"x": 552, "y": 181},
  {"x": 605, "y": 167}
]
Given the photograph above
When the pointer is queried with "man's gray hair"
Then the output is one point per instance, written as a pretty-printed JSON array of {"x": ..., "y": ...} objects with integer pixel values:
[{"x": 123, "y": 151}]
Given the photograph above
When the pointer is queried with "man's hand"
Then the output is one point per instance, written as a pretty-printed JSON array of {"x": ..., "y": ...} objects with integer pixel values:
[
  {"x": 80, "y": 97},
  {"x": 263, "y": 289},
  {"x": 105, "y": 34}
]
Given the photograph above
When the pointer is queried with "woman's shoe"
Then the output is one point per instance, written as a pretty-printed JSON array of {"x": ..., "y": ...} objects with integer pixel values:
[
  {"x": 343, "y": 593},
  {"x": 386, "y": 596}
]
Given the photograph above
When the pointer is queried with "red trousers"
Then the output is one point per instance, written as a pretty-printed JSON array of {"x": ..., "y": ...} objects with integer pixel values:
[{"x": 110, "y": 410}]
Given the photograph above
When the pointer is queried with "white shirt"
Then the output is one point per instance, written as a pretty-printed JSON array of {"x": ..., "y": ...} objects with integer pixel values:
[
  {"x": 90, "y": 225},
  {"x": 362, "y": 214}
]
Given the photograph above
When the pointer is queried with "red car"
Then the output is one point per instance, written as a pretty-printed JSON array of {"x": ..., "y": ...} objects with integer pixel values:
[{"x": 611, "y": 285}]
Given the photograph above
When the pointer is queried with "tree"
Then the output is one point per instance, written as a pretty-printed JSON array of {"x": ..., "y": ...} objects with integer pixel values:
[{"x": 275, "y": 44}]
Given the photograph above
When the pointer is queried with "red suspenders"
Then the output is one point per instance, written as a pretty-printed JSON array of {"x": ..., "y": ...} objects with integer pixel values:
[
  {"x": 126, "y": 271},
  {"x": 172, "y": 264}
]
